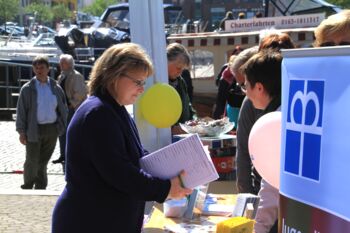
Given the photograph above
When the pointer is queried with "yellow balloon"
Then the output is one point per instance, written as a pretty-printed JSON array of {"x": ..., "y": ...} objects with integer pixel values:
[{"x": 161, "y": 105}]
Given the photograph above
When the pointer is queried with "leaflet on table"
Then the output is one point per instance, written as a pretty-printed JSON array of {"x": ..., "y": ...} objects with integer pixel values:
[
  {"x": 212, "y": 207},
  {"x": 209, "y": 227},
  {"x": 218, "y": 209},
  {"x": 241, "y": 204},
  {"x": 187, "y": 154}
]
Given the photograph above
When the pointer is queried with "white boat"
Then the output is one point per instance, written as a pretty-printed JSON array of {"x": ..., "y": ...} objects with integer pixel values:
[{"x": 22, "y": 48}]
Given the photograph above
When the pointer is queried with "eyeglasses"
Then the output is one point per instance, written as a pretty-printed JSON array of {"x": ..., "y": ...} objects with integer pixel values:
[
  {"x": 331, "y": 43},
  {"x": 138, "y": 83}
]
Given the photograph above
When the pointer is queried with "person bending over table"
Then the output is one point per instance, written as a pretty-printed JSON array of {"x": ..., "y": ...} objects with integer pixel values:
[
  {"x": 179, "y": 60},
  {"x": 106, "y": 189}
]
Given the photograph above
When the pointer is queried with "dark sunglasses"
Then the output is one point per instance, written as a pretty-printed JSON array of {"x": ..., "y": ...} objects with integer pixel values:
[{"x": 331, "y": 43}]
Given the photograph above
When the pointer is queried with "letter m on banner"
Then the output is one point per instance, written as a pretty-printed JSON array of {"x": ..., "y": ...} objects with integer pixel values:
[{"x": 304, "y": 128}]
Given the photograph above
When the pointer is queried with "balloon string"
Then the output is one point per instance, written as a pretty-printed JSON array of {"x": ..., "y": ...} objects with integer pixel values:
[{"x": 158, "y": 138}]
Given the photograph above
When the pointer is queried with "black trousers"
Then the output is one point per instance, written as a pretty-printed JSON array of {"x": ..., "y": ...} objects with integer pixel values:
[{"x": 62, "y": 138}]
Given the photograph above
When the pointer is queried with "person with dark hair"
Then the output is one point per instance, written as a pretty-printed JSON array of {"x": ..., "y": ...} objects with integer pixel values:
[
  {"x": 106, "y": 189},
  {"x": 219, "y": 75},
  {"x": 235, "y": 51},
  {"x": 258, "y": 14},
  {"x": 227, "y": 80},
  {"x": 248, "y": 179},
  {"x": 26, "y": 31},
  {"x": 228, "y": 16},
  {"x": 263, "y": 88},
  {"x": 41, "y": 118},
  {"x": 263, "y": 78}
]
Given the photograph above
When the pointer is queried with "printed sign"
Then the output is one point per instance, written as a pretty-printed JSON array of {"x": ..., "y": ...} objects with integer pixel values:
[
  {"x": 304, "y": 128},
  {"x": 315, "y": 143},
  {"x": 255, "y": 24}
]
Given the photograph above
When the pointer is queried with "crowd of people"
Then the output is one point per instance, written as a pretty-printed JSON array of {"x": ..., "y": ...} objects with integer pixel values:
[
  {"x": 100, "y": 145},
  {"x": 258, "y": 72}
]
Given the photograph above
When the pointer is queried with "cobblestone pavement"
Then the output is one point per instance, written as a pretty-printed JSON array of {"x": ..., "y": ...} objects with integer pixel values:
[
  {"x": 12, "y": 155},
  {"x": 25, "y": 211}
]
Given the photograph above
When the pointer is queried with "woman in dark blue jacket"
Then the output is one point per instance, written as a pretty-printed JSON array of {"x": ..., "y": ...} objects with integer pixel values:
[{"x": 106, "y": 189}]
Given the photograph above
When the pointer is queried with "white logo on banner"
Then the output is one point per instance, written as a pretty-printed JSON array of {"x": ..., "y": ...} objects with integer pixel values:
[{"x": 304, "y": 128}]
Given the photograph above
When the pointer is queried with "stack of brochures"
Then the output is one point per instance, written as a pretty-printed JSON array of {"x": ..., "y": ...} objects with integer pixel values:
[{"x": 187, "y": 154}]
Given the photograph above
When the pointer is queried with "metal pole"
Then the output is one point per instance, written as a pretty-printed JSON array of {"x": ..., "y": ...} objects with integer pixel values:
[
  {"x": 267, "y": 3},
  {"x": 147, "y": 29}
]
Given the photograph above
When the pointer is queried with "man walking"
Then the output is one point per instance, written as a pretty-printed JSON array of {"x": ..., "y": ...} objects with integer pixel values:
[
  {"x": 41, "y": 118},
  {"x": 74, "y": 87}
]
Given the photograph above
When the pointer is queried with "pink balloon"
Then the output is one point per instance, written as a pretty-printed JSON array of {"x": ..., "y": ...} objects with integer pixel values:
[{"x": 265, "y": 147}]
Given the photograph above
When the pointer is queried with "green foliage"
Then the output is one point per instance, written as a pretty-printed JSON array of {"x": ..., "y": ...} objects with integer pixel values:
[
  {"x": 43, "y": 12},
  {"x": 61, "y": 12},
  {"x": 345, "y": 4},
  {"x": 99, "y": 6},
  {"x": 9, "y": 9}
]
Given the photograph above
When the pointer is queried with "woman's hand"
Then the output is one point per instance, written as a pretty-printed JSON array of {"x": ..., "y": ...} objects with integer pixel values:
[{"x": 177, "y": 191}]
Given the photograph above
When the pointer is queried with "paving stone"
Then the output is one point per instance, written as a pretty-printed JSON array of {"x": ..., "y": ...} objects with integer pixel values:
[
  {"x": 20, "y": 212},
  {"x": 12, "y": 155}
]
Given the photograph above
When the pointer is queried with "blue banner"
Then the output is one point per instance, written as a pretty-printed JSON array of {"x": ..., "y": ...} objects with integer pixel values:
[{"x": 315, "y": 150}]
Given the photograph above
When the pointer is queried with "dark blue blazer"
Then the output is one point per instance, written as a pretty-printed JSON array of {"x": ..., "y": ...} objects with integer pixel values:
[{"x": 106, "y": 189}]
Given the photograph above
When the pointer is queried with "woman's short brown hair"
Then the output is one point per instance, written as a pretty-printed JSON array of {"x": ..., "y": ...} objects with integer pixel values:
[
  {"x": 116, "y": 61},
  {"x": 276, "y": 41}
]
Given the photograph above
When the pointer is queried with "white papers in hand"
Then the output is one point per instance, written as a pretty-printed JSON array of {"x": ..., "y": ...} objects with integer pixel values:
[{"x": 187, "y": 154}]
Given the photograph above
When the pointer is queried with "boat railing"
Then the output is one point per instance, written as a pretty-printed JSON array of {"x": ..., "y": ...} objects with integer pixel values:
[
  {"x": 46, "y": 39},
  {"x": 17, "y": 39}
]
